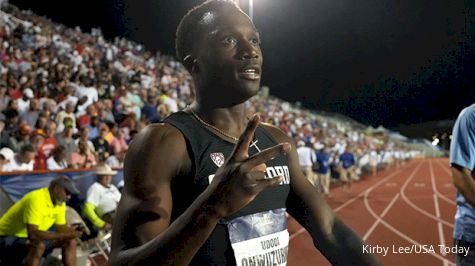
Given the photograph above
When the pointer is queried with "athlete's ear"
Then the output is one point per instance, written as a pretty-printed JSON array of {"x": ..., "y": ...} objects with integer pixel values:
[{"x": 190, "y": 63}]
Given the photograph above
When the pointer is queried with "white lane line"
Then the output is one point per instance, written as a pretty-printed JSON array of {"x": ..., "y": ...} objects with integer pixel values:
[
  {"x": 437, "y": 212},
  {"x": 379, "y": 219},
  {"x": 383, "y": 179},
  {"x": 442, "y": 196},
  {"x": 417, "y": 208},
  {"x": 397, "y": 232},
  {"x": 371, "y": 229}
]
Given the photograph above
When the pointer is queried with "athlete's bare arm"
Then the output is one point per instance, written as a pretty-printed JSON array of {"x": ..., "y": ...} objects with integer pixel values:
[
  {"x": 143, "y": 233},
  {"x": 464, "y": 182},
  {"x": 338, "y": 243}
]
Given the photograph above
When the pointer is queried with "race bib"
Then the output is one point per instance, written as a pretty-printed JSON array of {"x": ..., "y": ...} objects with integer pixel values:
[{"x": 260, "y": 238}]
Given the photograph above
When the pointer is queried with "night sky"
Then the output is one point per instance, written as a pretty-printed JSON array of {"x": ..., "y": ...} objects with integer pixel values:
[{"x": 380, "y": 62}]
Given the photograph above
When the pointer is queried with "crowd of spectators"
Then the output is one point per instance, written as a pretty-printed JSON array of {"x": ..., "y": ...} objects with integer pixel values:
[
  {"x": 70, "y": 99},
  {"x": 343, "y": 148},
  {"x": 73, "y": 100}
]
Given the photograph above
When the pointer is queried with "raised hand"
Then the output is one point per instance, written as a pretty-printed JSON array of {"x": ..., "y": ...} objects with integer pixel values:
[{"x": 241, "y": 178}]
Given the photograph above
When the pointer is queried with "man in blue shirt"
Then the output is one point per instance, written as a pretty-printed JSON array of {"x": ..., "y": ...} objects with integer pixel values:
[
  {"x": 462, "y": 160},
  {"x": 323, "y": 169},
  {"x": 347, "y": 168}
]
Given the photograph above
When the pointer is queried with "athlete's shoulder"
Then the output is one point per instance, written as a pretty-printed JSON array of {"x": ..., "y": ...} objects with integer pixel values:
[
  {"x": 275, "y": 132},
  {"x": 158, "y": 139},
  {"x": 158, "y": 132},
  {"x": 157, "y": 153}
]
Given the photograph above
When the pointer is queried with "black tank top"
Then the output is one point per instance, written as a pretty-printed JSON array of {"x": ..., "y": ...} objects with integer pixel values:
[{"x": 208, "y": 152}]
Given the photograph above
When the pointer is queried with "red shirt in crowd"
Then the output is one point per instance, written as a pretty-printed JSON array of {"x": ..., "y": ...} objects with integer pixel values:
[{"x": 48, "y": 146}]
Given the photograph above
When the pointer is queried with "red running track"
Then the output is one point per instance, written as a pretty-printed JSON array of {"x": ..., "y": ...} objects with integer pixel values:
[{"x": 412, "y": 206}]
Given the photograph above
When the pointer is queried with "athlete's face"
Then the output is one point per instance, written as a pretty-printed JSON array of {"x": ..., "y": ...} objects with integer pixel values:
[{"x": 229, "y": 58}]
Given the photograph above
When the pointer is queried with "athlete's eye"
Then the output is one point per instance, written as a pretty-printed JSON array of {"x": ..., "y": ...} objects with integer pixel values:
[
  {"x": 255, "y": 41},
  {"x": 229, "y": 40}
]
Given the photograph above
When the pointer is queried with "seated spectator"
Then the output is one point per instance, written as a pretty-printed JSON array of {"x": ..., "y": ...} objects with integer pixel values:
[
  {"x": 81, "y": 110},
  {"x": 84, "y": 135},
  {"x": 6, "y": 155},
  {"x": 42, "y": 121},
  {"x": 32, "y": 113},
  {"x": 24, "y": 229},
  {"x": 118, "y": 143},
  {"x": 49, "y": 144},
  {"x": 11, "y": 121},
  {"x": 86, "y": 88},
  {"x": 83, "y": 157},
  {"x": 24, "y": 102},
  {"x": 85, "y": 119},
  {"x": 68, "y": 112},
  {"x": 68, "y": 98},
  {"x": 149, "y": 110},
  {"x": 100, "y": 143},
  {"x": 106, "y": 113},
  {"x": 94, "y": 127},
  {"x": 4, "y": 98},
  {"x": 4, "y": 137},
  {"x": 57, "y": 161},
  {"x": 102, "y": 199},
  {"x": 128, "y": 102},
  {"x": 116, "y": 160},
  {"x": 66, "y": 139},
  {"x": 20, "y": 138},
  {"x": 23, "y": 160}
]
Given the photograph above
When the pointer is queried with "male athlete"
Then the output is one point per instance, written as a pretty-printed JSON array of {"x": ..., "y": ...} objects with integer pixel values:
[{"x": 210, "y": 186}]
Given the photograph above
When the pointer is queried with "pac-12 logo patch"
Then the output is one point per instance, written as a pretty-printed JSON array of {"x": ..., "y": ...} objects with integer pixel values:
[{"x": 218, "y": 158}]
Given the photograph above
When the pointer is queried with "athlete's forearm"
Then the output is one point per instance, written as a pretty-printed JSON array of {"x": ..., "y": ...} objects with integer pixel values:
[
  {"x": 344, "y": 247},
  {"x": 464, "y": 182},
  {"x": 178, "y": 243}
]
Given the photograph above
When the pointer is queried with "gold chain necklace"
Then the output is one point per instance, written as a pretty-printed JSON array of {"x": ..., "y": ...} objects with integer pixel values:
[{"x": 212, "y": 127}]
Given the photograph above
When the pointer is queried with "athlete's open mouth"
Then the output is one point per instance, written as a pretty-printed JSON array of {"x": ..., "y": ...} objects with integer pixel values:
[{"x": 250, "y": 73}]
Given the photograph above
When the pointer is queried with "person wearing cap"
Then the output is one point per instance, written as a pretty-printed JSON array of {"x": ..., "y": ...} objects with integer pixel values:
[
  {"x": 102, "y": 199},
  {"x": 24, "y": 102},
  {"x": 23, "y": 160},
  {"x": 24, "y": 229},
  {"x": 6, "y": 155}
]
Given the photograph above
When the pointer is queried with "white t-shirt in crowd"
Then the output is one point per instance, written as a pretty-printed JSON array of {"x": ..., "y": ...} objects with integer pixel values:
[
  {"x": 52, "y": 164},
  {"x": 14, "y": 165},
  {"x": 306, "y": 156},
  {"x": 90, "y": 92},
  {"x": 105, "y": 199},
  {"x": 23, "y": 105}
]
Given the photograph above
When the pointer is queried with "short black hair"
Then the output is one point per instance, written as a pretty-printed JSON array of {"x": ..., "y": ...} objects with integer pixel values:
[
  {"x": 27, "y": 148},
  {"x": 187, "y": 29}
]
